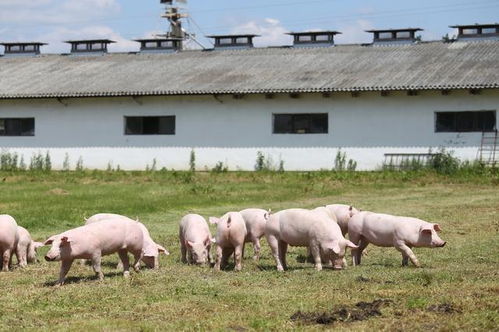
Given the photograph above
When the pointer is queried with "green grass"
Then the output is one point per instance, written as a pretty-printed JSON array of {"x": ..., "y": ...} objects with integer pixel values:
[{"x": 463, "y": 276}]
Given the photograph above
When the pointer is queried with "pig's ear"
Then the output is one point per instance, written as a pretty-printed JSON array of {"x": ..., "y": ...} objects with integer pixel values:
[
  {"x": 437, "y": 228},
  {"x": 37, "y": 245},
  {"x": 65, "y": 240},
  {"x": 336, "y": 248},
  {"x": 425, "y": 230},
  {"x": 267, "y": 214},
  {"x": 190, "y": 244},
  {"x": 350, "y": 244},
  {"x": 49, "y": 241},
  {"x": 214, "y": 220},
  {"x": 207, "y": 241},
  {"x": 162, "y": 250}
]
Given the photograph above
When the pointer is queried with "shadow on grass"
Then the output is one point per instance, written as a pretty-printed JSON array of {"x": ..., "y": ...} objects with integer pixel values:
[{"x": 77, "y": 280}]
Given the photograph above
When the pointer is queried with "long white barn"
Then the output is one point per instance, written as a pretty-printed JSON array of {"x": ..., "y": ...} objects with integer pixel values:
[{"x": 295, "y": 104}]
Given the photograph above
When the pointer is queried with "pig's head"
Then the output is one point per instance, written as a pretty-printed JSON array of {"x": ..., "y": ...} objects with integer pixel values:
[
  {"x": 199, "y": 251},
  {"x": 352, "y": 211},
  {"x": 61, "y": 247},
  {"x": 337, "y": 251},
  {"x": 428, "y": 236},
  {"x": 33, "y": 248},
  {"x": 150, "y": 257}
]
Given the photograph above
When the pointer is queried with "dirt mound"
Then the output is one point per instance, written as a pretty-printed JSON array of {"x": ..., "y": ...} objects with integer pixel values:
[
  {"x": 361, "y": 311},
  {"x": 445, "y": 308}
]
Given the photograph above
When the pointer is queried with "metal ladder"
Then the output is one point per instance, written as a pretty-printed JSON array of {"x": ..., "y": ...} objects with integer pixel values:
[{"x": 489, "y": 154}]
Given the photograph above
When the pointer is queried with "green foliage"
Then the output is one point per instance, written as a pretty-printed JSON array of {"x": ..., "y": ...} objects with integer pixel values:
[
  {"x": 266, "y": 164},
  {"x": 79, "y": 165},
  {"x": 260, "y": 161},
  {"x": 341, "y": 164},
  {"x": 192, "y": 161},
  {"x": 444, "y": 162},
  {"x": 65, "y": 164},
  {"x": 220, "y": 167},
  {"x": 47, "y": 163},
  {"x": 8, "y": 161}
]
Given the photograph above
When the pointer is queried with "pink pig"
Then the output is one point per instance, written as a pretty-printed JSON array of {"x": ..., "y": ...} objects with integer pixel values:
[
  {"x": 343, "y": 214},
  {"x": 8, "y": 240},
  {"x": 26, "y": 247},
  {"x": 195, "y": 240},
  {"x": 255, "y": 220},
  {"x": 231, "y": 233},
  {"x": 94, "y": 241},
  {"x": 385, "y": 230}
]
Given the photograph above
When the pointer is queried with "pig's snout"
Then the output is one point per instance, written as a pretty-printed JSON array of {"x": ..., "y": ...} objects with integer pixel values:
[
  {"x": 443, "y": 244},
  {"x": 49, "y": 259}
]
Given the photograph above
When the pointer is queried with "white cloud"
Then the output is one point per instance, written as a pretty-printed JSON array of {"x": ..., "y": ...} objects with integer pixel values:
[
  {"x": 354, "y": 33},
  {"x": 271, "y": 30}
]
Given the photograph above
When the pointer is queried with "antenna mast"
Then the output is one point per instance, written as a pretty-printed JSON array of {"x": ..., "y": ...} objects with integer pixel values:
[{"x": 175, "y": 16}]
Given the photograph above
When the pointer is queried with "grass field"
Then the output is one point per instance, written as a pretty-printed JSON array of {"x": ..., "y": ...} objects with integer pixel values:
[{"x": 456, "y": 289}]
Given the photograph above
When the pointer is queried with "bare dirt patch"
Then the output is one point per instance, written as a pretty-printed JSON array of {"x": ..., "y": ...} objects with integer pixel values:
[
  {"x": 58, "y": 192},
  {"x": 361, "y": 311},
  {"x": 444, "y": 308}
]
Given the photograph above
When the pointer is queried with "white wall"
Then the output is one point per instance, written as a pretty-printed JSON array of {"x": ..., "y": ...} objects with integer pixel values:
[{"x": 233, "y": 130}]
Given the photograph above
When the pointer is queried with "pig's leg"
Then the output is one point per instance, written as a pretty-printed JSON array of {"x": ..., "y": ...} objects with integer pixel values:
[
  {"x": 210, "y": 255},
  {"x": 125, "y": 261},
  {"x": 219, "y": 258},
  {"x": 274, "y": 247},
  {"x": 96, "y": 262},
  {"x": 244, "y": 247},
  {"x": 226, "y": 253},
  {"x": 6, "y": 260},
  {"x": 65, "y": 266},
  {"x": 283, "y": 249},
  {"x": 256, "y": 248},
  {"x": 407, "y": 252},
  {"x": 316, "y": 254},
  {"x": 156, "y": 263},
  {"x": 238, "y": 257},
  {"x": 120, "y": 265},
  {"x": 21, "y": 257},
  {"x": 405, "y": 259},
  {"x": 137, "y": 256},
  {"x": 183, "y": 252}
]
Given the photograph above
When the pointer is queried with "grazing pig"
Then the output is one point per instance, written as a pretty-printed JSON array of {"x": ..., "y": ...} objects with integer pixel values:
[
  {"x": 315, "y": 229},
  {"x": 8, "y": 240},
  {"x": 231, "y": 233},
  {"x": 385, "y": 230},
  {"x": 195, "y": 240},
  {"x": 26, "y": 247},
  {"x": 255, "y": 220},
  {"x": 343, "y": 214},
  {"x": 151, "y": 250},
  {"x": 94, "y": 241}
]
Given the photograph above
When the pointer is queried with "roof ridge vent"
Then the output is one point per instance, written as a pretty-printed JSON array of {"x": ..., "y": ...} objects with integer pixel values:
[
  {"x": 233, "y": 41},
  {"x": 22, "y": 48},
  {"x": 313, "y": 38},
  {"x": 89, "y": 46},
  {"x": 477, "y": 31},
  {"x": 160, "y": 45},
  {"x": 395, "y": 36}
]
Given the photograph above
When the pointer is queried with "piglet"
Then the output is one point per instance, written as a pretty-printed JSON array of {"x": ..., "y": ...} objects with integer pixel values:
[
  {"x": 94, "y": 241},
  {"x": 26, "y": 248},
  {"x": 195, "y": 240},
  {"x": 8, "y": 240},
  {"x": 385, "y": 230},
  {"x": 231, "y": 233}
]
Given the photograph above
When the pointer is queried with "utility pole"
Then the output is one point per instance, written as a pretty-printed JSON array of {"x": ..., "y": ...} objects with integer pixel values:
[{"x": 174, "y": 15}]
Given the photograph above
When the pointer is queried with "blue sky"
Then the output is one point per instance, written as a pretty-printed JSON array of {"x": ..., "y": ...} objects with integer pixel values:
[{"x": 53, "y": 21}]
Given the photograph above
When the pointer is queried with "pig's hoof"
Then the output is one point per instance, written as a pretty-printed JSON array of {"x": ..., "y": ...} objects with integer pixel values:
[{"x": 126, "y": 274}]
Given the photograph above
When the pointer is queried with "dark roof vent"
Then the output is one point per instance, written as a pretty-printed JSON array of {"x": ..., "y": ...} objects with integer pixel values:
[
  {"x": 395, "y": 36},
  {"x": 24, "y": 48},
  {"x": 233, "y": 41},
  {"x": 313, "y": 38},
  {"x": 159, "y": 45},
  {"x": 90, "y": 46},
  {"x": 477, "y": 31}
]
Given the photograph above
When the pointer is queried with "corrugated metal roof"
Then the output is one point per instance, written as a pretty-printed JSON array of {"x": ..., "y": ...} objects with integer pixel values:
[{"x": 434, "y": 65}]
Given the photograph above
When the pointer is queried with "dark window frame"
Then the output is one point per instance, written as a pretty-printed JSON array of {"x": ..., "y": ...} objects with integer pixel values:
[
  {"x": 22, "y": 132},
  {"x": 296, "y": 117},
  {"x": 456, "y": 118},
  {"x": 143, "y": 132}
]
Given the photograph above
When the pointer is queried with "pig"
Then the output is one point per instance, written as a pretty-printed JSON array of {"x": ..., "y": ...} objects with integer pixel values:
[
  {"x": 8, "y": 240},
  {"x": 151, "y": 250},
  {"x": 315, "y": 229},
  {"x": 195, "y": 240},
  {"x": 343, "y": 214},
  {"x": 255, "y": 220},
  {"x": 26, "y": 247},
  {"x": 94, "y": 241},
  {"x": 385, "y": 230},
  {"x": 231, "y": 233}
]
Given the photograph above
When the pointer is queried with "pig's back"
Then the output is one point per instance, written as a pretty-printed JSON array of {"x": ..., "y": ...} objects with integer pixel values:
[
  {"x": 194, "y": 228},
  {"x": 111, "y": 235},
  {"x": 8, "y": 231},
  {"x": 295, "y": 226}
]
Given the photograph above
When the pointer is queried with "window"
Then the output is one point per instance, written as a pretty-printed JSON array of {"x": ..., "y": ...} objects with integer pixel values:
[
  {"x": 301, "y": 123},
  {"x": 97, "y": 46},
  {"x": 151, "y": 44},
  {"x": 225, "y": 41},
  {"x": 150, "y": 125},
  {"x": 17, "y": 127},
  {"x": 29, "y": 48},
  {"x": 470, "y": 31},
  {"x": 404, "y": 34},
  {"x": 385, "y": 35},
  {"x": 487, "y": 31},
  {"x": 305, "y": 38},
  {"x": 242, "y": 40},
  {"x": 15, "y": 48},
  {"x": 477, "y": 121},
  {"x": 166, "y": 44},
  {"x": 322, "y": 38},
  {"x": 81, "y": 47}
]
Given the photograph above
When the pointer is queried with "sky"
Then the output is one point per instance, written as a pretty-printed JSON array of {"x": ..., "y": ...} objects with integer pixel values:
[{"x": 54, "y": 21}]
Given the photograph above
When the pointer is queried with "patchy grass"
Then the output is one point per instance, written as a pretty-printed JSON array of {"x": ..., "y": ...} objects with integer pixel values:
[{"x": 457, "y": 288}]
